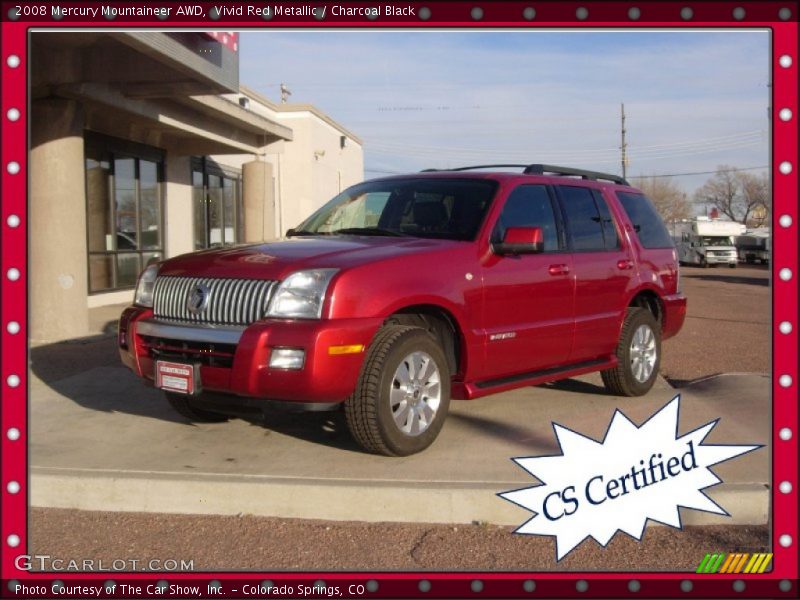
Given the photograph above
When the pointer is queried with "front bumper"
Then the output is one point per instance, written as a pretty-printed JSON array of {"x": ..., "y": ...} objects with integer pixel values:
[
  {"x": 236, "y": 360},
  {"x": 721, "y": 260},
  {"x": 674, "y": 314}
]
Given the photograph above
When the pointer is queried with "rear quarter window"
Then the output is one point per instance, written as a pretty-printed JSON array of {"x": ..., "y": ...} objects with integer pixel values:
[{"x": 646, "y": 221}]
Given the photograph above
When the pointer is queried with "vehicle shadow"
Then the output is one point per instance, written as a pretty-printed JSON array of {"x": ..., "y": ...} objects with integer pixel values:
[
  {"x": 762, "y": 281},
  {"x": 88, "y": 372},
  {"x": 577, "y": 386}
]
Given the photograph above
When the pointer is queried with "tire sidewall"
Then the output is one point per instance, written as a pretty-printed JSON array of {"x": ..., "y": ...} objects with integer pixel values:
[
  {"x": 416, "y": 340},
  {"x": 637, "y": 319}
]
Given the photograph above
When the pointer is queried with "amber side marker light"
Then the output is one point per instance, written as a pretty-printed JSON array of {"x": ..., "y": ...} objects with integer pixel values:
[{"x": 351, "y": 349}]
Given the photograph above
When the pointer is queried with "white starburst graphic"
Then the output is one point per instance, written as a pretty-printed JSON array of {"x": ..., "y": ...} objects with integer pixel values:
[{"x": 634, "y": 474}]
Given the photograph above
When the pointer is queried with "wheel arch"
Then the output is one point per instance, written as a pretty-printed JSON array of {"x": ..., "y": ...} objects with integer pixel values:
[{"x": 439, "y": 322}]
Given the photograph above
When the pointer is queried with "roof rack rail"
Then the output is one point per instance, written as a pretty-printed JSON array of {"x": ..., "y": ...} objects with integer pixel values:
[
  {"x": 583, "y": 174},
  {"x": 476, "y": 167},
  {"x": 538, "y": 169}
]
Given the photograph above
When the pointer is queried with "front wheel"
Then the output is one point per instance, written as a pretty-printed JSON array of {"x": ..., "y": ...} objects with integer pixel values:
[
  {"x": 639, "y": 355},
  {"x": 403, "y": 393}
]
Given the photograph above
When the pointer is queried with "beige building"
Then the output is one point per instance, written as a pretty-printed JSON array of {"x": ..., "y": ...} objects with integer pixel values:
[{"x": 144, "y": 146}]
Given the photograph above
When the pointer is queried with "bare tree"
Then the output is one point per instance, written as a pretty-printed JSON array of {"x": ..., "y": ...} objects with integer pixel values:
[
  {"x": 734, "y": 193},
  {"x": 667, "y": 196}
]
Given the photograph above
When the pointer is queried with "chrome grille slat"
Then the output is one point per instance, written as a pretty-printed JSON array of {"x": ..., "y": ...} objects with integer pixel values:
[{"x": 231, "y": 301}]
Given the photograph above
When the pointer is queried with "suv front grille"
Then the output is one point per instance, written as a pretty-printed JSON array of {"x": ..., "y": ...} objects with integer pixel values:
[{"x": 230, "y": 301}]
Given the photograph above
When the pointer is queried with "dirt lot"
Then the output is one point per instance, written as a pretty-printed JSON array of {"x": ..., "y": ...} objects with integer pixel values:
[
  {"x": 727, "y": 327},
  {"x": 727, "y": 330}
]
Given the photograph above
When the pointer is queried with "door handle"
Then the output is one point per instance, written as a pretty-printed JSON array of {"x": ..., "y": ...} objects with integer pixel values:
[
  {"x": 624, "y": 265},
  {"x": 558, "y": 270}
]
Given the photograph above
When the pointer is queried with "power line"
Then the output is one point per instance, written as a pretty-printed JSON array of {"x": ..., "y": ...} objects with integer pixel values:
[
  {"x": 384, "y": 172},
  {"x": 701, "y": 172}
]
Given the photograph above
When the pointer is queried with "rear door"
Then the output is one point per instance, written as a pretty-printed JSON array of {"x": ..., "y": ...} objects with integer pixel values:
[
  {"x": 528, "y": 321},
  {"x": 603, "y": 269}
]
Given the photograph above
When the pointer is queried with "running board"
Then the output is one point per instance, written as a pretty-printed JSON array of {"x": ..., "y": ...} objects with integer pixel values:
[{"x": 490, "y": 383}]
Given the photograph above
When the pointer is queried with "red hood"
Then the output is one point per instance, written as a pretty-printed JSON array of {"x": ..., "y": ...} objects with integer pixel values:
[{"x": 276, "y": 260}]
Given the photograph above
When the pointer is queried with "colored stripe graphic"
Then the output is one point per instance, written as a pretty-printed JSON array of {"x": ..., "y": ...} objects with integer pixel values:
[
  {"x": 726, "y": 565},
  {"x": 736, "y": 562},
  {"x": 767, "y": 560},
  {"x": 702, "y": 565}
]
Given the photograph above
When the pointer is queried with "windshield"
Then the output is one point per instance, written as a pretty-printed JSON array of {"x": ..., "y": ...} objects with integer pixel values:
[
  {"x": 717, "y": 240},
  {"x": 430, "y": 208}
]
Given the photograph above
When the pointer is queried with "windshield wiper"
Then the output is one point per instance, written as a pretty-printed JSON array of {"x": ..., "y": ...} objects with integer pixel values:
[
  {"x": 370, "y": 231},
  {"x": 301, "y": 232}
]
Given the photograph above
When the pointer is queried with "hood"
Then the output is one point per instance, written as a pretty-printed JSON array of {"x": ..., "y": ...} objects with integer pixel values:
[{"x": 276, "y": 260}]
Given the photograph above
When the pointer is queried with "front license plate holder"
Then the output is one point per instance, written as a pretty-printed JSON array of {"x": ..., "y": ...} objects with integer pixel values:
[{"x": 178, "y": 377}]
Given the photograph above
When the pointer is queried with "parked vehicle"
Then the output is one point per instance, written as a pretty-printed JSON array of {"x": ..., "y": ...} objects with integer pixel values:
[
  {"x": 754, "y": 246},
  {"x": 403, "y": 292},
  {"x": 706, "y": 242}
]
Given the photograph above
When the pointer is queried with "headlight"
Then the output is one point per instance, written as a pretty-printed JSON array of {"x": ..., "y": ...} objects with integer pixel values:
[
  {"x": 144, "y": 289},
  {"x": 301, "y": 294}
]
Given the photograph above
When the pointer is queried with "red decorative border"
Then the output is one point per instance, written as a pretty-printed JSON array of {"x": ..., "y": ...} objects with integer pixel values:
[{"x": 442, "y": 14}]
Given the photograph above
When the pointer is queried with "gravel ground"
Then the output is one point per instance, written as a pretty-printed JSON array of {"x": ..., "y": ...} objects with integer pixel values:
[
  {"x": 727, "y": 330},
  {"x": 270, "y": 544}
]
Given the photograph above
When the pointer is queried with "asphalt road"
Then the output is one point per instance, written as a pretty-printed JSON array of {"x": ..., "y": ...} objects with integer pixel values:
[{"x": 727, "y": 330}]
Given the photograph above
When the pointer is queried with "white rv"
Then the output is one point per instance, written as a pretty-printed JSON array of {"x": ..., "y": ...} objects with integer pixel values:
[
  {"x": 754, "y": 245},
  {"x": 706, "y": 242}
]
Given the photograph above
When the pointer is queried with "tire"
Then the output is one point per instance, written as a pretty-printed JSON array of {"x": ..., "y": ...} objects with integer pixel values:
[
  {"x": 389, "y": 388},
  {"x": 732, "y": 266},
  {"x": 636, "y": 373},
  {"x": 703, "y": 263},
  {"x": 184, "y": 406}
]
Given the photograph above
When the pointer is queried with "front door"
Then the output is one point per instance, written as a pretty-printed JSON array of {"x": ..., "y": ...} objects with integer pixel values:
[{"x": 528, "y": 310}]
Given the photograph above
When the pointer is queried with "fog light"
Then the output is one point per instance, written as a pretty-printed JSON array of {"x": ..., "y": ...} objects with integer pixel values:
[{"x": 287, "y": 358}]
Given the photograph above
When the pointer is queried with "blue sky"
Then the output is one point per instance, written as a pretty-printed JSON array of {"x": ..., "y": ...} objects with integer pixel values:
[{"x": 419, "y": 99}]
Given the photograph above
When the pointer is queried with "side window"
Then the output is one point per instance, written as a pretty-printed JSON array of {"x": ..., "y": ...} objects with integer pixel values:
[
  {"x": 646, "y": 222},
  {"x": 583, "y": 218},
  {"x": 609, "y": 230},
  {"x": 529, "y": 206}
]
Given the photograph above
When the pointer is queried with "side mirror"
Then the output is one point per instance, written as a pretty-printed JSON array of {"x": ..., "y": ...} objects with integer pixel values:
[
  {"x": 521, "y": 240},
  {"x": 290, "y": 232}
]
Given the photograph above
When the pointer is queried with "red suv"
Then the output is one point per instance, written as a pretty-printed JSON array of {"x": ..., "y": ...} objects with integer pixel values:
[{"x": 403, "y": 292}]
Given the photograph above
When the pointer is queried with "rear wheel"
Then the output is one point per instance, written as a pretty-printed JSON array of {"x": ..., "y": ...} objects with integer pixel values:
[
  {"x": 639, "y": 355},
  {"x": 185, "y": 407},
  {"x": 403, "y": 394}
]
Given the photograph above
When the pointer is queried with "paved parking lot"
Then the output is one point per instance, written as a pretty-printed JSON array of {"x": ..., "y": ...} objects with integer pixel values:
[{"x": 102, "y": 441}]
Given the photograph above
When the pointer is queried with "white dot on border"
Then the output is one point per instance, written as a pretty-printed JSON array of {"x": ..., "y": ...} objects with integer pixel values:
[
  {"x": 13, "y": 114},
  {"x": 13, "y": 274},
  {"x": 13, "y": 434},
  {"x": 785, "y": 434},
  {"x": 12, "y": 487},
  {"x": 785, "y": 327},
  {"x": 686, "y": 586},
  {"x": 785, "y": 274},
  {"x": 785, "y": 61},
  {"x": 581, "y": 13},
  {"x": 12, "y": 221},
  {"x": 785, "y": 380},
  {"x": 686, "y": 13},
  {"x": 785, "y": 167},
  {"x": 785, "y": 220},
  {"x": 785, "y": 487},
  {"x": 13, "y": 167},
  {"x": 13, "y": 61},
  {"x": 785, "y": 540},
  {"x": 785, "y": 114},
  {"x": 12, "y": 327},
  {"x": 13, "y": 540},
  {"x": 12, "y": 380}
]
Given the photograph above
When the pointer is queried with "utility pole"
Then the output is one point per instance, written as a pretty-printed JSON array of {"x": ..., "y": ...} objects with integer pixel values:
[
  {"x": 285, "y": 93},
  {"x": 624, "y": 146}
]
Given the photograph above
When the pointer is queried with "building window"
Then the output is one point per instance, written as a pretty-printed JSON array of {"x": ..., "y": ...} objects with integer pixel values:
[
  {"x": 124, "y": 211},
  {"x": 217, "y": 195}
]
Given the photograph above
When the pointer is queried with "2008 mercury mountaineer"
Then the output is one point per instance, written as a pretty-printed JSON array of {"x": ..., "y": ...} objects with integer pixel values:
[{"x": 403, "y": 292}]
